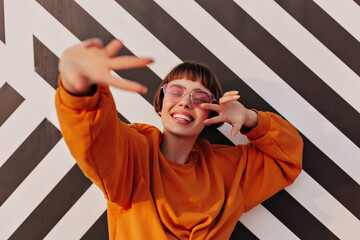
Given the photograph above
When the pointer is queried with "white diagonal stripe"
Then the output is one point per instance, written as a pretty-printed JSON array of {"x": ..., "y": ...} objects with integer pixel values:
[
  {"x": 3, "y": 63},
  {"x": 271, "y": 228},
  {"x": 80, "y": 217},
  {"x": 34, "y": 188},
  {"x": 306, "y": 47},
  {"x": 324, "y": 207},
  {"x": 138, "y": 111},
  {"x": 345, "y": 12},
  {"x": 15, "y": 130}
]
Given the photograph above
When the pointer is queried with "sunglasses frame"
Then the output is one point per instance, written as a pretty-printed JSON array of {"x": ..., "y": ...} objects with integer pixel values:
[{"x": 185, "y": 92}]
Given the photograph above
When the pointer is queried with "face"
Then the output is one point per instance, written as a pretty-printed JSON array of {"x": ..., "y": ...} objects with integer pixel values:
[{"x": 182, "y": 118}]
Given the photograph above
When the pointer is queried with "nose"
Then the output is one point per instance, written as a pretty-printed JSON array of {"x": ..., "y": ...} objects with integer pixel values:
[{"x": 186, "y": 101}]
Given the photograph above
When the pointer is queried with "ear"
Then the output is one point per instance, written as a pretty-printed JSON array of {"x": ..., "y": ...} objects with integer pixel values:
[{"x": 159, "y": 113}]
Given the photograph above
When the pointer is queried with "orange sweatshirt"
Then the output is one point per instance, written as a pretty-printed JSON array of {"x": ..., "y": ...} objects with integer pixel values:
[{"x": 151, "y": 197}]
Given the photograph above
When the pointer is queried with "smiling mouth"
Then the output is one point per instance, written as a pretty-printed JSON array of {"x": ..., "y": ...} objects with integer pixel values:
[{"x": 182, "y": 117}]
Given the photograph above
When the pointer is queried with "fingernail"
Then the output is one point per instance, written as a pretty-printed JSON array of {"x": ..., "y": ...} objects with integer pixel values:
[{"x": 119, "y": 41}]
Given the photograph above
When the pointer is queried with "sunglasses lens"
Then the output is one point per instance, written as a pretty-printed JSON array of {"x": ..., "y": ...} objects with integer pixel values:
[
  {"x": 199, "y": 97},
  {"x": 174, "y": 92}
]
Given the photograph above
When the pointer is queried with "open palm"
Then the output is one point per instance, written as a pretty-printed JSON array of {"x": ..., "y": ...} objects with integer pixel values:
[{"x": 89, "y": 63}]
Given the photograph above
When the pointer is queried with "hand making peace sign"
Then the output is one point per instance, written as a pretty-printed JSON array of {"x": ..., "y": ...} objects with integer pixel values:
[{"x": 89, "y": 63}]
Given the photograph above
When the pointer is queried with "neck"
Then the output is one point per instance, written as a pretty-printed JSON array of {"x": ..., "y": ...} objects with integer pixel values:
[{"x": 176, "y": 148}]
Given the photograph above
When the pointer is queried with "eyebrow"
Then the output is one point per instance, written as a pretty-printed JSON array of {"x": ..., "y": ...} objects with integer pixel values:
[{"x": 206, "y": 90}]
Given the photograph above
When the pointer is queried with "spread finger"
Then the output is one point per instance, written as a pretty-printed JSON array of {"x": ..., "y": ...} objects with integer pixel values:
[
  {"x": 228, "y": 99},
  {"x": 229, "y": 93},
  {"x": 128, "y": 62},
  {"x": 113, "y": 47},
  {"x": 213, "y": 120},
  {"x": 93, "y": 42},
  {"x": 210, "y": 106},
  {"x": 126, "y": 85}
]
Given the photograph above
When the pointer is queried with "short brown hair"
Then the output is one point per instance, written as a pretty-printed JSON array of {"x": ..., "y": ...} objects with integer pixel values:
[{"x": 193, "y": 71}]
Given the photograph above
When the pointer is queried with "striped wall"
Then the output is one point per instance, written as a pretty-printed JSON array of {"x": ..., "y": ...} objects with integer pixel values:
[{"x": 300, "y": 59}]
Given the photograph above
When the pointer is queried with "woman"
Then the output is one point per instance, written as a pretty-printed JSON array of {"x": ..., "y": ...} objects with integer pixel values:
[{"x": 170, "y": 185}]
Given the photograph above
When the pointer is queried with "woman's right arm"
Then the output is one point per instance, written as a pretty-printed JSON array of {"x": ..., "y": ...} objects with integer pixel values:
[{"x": 105, "y": 148}]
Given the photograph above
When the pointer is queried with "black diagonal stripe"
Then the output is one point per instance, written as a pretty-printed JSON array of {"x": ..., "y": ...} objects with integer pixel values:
[
  {"x": 326, "y": 30},
  {"x": 83, "y": 26},
  {"x": 10, "y": 100},
  {"x": 27, "y": 157},
  {"x": 336, "y": 181},
  {"x": 297, "y": 218},
  {"x": 357, "y": 1},
  {"x": 2, "y": 22},
  {"x": 287, "y": 66},
  {"x": 241, "y": 232},
  {"x": 179, "y": 41},
  {"x": 122, "y": 118},
  {"x": 54, "y": 206},
  {"x": 215, "y": 137},
  {"x": 46, "y": 63},
  {"x": 98, "y": 230}
]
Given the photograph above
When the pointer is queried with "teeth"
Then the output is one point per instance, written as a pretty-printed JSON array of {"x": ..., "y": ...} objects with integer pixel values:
[{"x": 181, "y": 116}]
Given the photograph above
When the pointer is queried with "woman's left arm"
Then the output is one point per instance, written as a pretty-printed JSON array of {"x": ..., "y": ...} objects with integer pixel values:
[{"x": 273, "y": 159}]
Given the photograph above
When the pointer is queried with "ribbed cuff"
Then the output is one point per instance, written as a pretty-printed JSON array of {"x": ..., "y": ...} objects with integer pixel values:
[
  {"x": 76, "y": 102},
  {"x": 261, "y": 129}
]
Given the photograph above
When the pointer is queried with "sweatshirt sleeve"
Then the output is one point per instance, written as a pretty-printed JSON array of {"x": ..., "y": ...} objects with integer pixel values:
[
  {"x": 273, "y": 159},
  {"x": 107, "y": 150}
]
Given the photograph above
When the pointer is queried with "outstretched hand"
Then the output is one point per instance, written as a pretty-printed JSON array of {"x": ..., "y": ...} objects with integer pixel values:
[
  {"x": 89, "y": 63},
  {"x": 232, "y": 112}
]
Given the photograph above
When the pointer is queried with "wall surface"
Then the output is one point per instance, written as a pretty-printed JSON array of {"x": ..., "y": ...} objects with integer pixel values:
[{"x": 300, "y": 59}]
